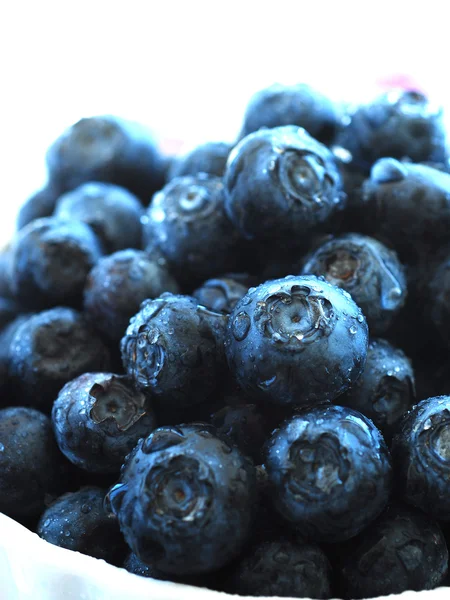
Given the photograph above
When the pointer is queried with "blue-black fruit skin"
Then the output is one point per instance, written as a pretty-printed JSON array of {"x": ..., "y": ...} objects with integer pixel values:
[
  {"x": 399, "y": 124},
  {"x": 173, "y": 347},
  {"x": 98, "y": 418},
  {"x": 297, "y": 104},
  {"x": 244, "y": 426},
  {"x": 281, "y": 184},
  {"x": 331, "y": 472},
  {"x": 111, "y": 211},
  {"x": 403, "y": 549},
  {"x": 210, "y": 158},
  {"x": 118, "y": 284},
  {"x": 369, "y": 271},
  {"x": 297, "y": 340},
  {"x": 220, "y": 294},
  {"x": 9, "y": 310},
  {"x": 186, "y": 221},
  {"x": 5, "y": 272},
  {"x": 78, "y": 521},
  {"x": 40, "y": 204},
  {"x": 438, "y": 308},
  {"x": 205, "y": 580},
  {"x": 109, "y": 149},
  {"x": 416, "y": 225},
  {"x": 283, "y": 568},
  {"x": 421, "y": 454},
  {"x": 386, "y": 389},
  {"x": 185, "y": 500},
  {"x": 50, "y": 348},
  {"x": 31, "y": 466},
  {"x": 50, "y": 260}
]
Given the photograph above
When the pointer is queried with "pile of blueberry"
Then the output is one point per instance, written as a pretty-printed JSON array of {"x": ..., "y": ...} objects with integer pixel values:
[{"x": 231, "y": 369}]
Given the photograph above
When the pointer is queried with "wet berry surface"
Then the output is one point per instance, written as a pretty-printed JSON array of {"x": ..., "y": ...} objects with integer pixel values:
[{"x": 229, "y": 369}]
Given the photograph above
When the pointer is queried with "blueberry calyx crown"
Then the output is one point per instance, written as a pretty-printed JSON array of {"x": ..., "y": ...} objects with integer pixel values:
[
  {"x": 303, "y": 176},
  {"x": 290, "y": 318},
  {"x": 115, "y": 402}
]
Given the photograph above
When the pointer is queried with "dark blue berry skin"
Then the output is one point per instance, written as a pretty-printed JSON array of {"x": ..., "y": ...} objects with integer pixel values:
[
  {"x": 133, "y": 565},
  {"x": 174, "y": 348},
  {"x": 9, "y": 310},
  {"x": 185, "y": 500},
  {"x": 49, "y": 349},
  {"x": 118, "y": 284},
  {"x": 5, "y": 274},
  {"x": 245, "y": 427},
  {"x": 39, "y": 205},
  {"x": 111, "y": 211},
  {"x": 399, "y": 124},
  {"x": 369, "y": 271},
  {"x": 297, "y": 104},
  {"x": 331, "y": 472},
  {"x": 98, "y": 419},
  {"x": 210, "y": 158},
  {"x": 386, "y": 389},
  {"x": 281, "y": 184},
  {"x": 6, "y": 336},
  {"x": 78, "y": 521},
  {"x": 402, "y": 550},
  {"x": 220, "y": 295},
  {"x": 297, "y": 340},
  {"x": 109, "y": 149},
  {"x": 416, "y": 225},
  {"x": 31, "y": 466},
  {"x": 421, "y": 454},
  {"x": 50, "y": 261},
  {"x": 438, "y": 306},
  {"x": 187, "y": 223},
  {"x": 283, "y": 569},
  {"x": 209, "y": 580}
]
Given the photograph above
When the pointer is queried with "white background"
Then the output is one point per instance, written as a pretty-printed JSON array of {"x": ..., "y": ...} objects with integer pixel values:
[{"x": 187, "y": 68}]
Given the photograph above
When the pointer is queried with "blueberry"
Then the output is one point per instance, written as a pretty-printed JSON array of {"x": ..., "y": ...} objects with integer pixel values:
[
  {"x": 185, "y": 500},
  {"x": 6, "y": 336},
  {"x": 244, "y": 426},
  {"x": 402, "y": 550},
  {"x": 297, "y": 340},
  {"x": 50, "y": 262},
  {"x": 386, "y": 389},
  {"x": 421, "y": 454},
  {"x": 283, "y": 568},
  {"x": 49, "y": 349},
  {"x": 41, "y": 204},
  {"x": 221, "y": 294},
  {"x": 280, "y": 184},
  {"x": 109, "y": 149},
  {"x": 5, "y": 275},
  {"x": 331, "y": 472},
  {"x": 9, "y": 310},
  {"x": 111, "y": 211},
  {"x": 174, "y": 348},
  {"x": 118, "y": 284},
  {"x": 187, "y": 223},
  {"x": 437, "y": 305},
  {"x": 98, "y": 418},
  {"x": 297, "y": 104},
  {"x": 417, "y": 223},
  {"x": 399, "y": 124},
  {"x": 210, "y": 158},
  {"x": 77, "y": 521},
  {"x": 133, "y": 565},
  {"x": 367, "y": 270},
  {"x": 31, "y": 466}
]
